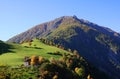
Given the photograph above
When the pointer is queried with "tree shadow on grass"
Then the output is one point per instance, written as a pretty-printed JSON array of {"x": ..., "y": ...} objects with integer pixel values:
[
  {"x": 33, "y": 47},
  {"x": 4, "y": 48}
]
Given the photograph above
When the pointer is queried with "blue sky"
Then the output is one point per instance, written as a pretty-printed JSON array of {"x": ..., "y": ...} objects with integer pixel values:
[{"x": 17, "y": 16}]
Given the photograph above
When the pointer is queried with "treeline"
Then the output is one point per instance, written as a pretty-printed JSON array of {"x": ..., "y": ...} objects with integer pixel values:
[{"x": 50, "y": 42}]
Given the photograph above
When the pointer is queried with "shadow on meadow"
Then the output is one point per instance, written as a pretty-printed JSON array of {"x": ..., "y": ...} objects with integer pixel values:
[{"x": 4, "y": 48}]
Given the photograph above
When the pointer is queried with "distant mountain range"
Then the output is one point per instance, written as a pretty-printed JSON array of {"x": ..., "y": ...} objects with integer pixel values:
[{"x": 98, "y": 45}]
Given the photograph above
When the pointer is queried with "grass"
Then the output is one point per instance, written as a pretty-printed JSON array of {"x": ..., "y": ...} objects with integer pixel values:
[{"x": 16, "y": 57}]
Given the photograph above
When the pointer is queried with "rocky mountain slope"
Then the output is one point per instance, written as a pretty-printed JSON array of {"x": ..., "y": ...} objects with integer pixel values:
[{"x": 99, "y": 45}]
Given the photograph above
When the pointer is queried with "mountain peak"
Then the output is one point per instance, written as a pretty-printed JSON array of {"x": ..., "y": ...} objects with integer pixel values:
[
  {"x": 66, "y": 17},
  {"x": 48, "y": 27},
  {"x": 75, "y": 18}
]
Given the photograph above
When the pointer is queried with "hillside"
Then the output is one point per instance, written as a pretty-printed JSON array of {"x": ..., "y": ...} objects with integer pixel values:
[
  {"x": 47, "y": 61},
  {"x": 98, "y": 45},
  {"x": 16, "y": 54}
]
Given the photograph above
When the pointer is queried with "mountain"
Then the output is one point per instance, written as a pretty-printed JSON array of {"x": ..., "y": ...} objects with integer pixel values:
[{"x": 97, "y": 44}]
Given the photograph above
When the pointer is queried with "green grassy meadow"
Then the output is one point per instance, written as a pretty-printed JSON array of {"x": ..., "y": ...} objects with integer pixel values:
[{"x": 19, "y": 51}]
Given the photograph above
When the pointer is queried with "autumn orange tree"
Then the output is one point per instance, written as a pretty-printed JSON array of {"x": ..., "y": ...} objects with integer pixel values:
[{"x": 34, "y": 60}]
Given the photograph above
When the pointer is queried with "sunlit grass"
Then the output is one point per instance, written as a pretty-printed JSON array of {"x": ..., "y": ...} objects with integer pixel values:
[{"x": 16, "y": 57}]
